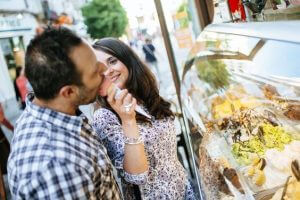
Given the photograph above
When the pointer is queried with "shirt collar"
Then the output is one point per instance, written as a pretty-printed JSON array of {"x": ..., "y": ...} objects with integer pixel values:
[{"x": 62, "y": 120}]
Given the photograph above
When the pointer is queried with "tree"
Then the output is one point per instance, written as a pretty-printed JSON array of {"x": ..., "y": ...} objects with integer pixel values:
[{"x": 105, "y": 18}]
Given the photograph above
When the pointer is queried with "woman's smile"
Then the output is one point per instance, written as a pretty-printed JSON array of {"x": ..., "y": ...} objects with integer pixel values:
[{"x": 115, "y": 78}]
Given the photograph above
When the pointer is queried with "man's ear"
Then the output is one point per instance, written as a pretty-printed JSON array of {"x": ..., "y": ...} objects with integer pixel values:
[{"x": 68, "y": 91}]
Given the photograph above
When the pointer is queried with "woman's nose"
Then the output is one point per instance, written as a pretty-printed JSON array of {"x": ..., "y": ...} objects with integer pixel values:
[{"x": 108, "y": 71}]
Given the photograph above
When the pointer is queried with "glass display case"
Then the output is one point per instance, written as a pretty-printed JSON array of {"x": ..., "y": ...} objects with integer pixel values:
[{"x": 241, "y": 96}]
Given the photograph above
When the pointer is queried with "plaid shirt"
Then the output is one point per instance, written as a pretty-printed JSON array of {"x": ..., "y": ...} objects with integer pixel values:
[{"x": 58, "y": 156}]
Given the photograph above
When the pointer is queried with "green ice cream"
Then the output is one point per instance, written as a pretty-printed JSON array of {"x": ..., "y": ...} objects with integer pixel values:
[{"x": 273, "y": 137}]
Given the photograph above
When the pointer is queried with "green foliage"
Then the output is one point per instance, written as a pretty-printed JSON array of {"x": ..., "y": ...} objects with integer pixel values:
[{"x": 105, "y": 18}]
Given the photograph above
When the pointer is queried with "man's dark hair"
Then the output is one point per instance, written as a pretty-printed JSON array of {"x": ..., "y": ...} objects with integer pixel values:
[{"x": 48, "y": 66}]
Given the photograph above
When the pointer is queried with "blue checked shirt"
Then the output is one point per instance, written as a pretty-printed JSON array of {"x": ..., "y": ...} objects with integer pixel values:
[{"x": 58, "y": 156}]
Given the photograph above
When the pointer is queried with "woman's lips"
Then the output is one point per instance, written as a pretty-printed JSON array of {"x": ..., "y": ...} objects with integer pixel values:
[{"x": 114, "y": 78}]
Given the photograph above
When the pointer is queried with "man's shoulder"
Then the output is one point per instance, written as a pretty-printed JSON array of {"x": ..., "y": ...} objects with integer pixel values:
[
  {"x": 32, "y": 138},
  {"x": 27, "y": 119},
  {"x": 40, "y": 140},
  {"x": 29, "y": 127},
  {"x": 35, "y": 148}
]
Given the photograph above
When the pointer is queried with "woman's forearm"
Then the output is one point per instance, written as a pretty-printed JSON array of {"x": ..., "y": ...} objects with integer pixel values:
[
  {"x": 7, "y": 124},
  {"x": 135, "y": 159}
]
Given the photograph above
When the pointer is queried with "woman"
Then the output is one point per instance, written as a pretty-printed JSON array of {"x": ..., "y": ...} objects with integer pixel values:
[
  {"x": 150, "y": 57},
  {"x": 166, "y": 178}
]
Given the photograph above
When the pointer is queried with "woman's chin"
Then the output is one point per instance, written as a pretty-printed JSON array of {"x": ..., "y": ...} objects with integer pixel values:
[{"x": 120, "y": 85}]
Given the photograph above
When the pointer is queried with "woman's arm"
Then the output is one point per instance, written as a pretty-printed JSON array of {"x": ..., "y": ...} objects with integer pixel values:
[
  {"x": 4, "y": 121},
  {"x": 135, "y": 160},
  {"x": 7, "y": 124},
  {"x": 110, "y": 131}
]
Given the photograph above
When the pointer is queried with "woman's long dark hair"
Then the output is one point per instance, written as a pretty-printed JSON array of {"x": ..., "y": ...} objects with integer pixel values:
[{"x": 140, "y": 83}]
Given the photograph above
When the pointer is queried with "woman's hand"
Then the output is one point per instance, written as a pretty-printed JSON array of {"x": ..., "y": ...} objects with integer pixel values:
[{"x": 124, "y": 104}]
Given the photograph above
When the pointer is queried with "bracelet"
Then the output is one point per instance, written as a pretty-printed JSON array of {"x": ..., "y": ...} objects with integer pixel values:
[{"x": 128, "y": 140}]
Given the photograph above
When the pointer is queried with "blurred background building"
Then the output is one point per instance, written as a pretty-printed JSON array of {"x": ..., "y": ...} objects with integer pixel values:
[{"x": 20, "y": 21}]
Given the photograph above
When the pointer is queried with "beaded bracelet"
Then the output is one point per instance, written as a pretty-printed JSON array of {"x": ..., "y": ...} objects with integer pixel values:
[{"x": 138, "y": 140}]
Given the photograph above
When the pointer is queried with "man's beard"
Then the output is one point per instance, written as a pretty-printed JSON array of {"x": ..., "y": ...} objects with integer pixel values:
[{"x": 85, "y": 97}]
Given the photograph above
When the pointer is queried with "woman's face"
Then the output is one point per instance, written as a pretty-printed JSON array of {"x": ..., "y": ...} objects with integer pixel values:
[{"x": 116, "y": 71}]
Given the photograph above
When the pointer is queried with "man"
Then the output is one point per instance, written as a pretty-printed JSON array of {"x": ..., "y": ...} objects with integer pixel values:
[
  {"x": 149, "y": 49},
  {"x": 55, "y": 153}
]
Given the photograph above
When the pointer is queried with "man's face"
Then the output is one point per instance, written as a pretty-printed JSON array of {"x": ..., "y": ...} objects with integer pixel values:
[{"x": 91, "y": 72}]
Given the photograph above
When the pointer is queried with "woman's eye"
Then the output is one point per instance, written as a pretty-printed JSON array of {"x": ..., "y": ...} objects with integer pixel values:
[{"x": 113, "y": 61}]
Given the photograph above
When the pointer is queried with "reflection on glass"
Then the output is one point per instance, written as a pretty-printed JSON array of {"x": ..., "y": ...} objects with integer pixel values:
[
  {"x": 214, "y": 73},
  {"x": 233, "y": 43},
  {"x": 277, "y": 59}
]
